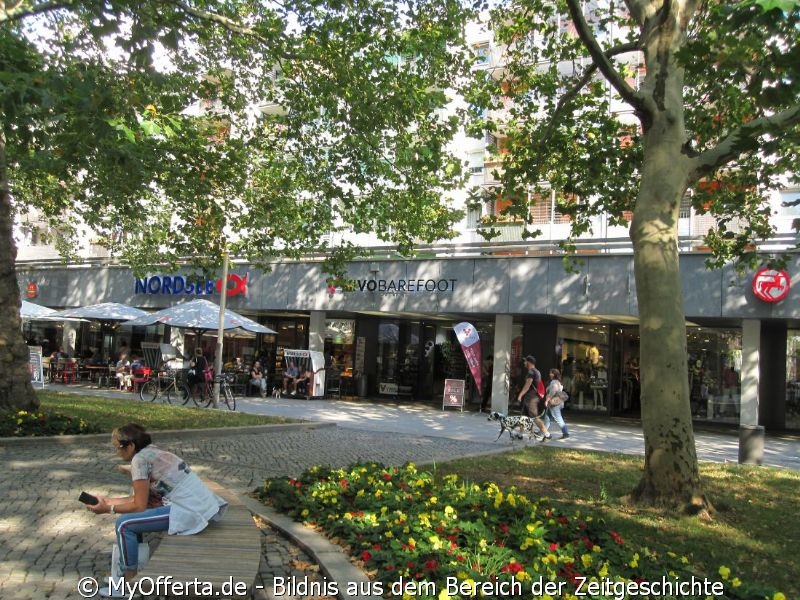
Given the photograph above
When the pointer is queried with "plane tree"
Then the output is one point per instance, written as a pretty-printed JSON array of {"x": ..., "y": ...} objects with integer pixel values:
[
  {"x": 177, "y": 131},
  {"x": 629, "y": 110}
]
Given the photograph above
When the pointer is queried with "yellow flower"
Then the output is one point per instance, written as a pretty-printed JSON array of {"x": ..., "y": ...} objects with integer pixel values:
[
  {"x": 586, "y": 559},
  {"x": 511, "y": 500},
  {"x": 635, "y": 562},
  {"x": 436, "y": 543},
  {"x": 522, "y": 576},
  {"x": 778, "y": 596},
  {"x": 433, "y": 500},
  {"x": 412, "y": 543},
  {"x": 473, "y": 587},
  {"x": 724, "y": 572},
  {"x": 736, "y": 582},
  {"x": 603, "y": 572},
  {"x": 389, "y": 534},
  {"x": 305, "y": 512},
  {"x": 498, "y": 499},
  {"x": 443, "y": 595}
]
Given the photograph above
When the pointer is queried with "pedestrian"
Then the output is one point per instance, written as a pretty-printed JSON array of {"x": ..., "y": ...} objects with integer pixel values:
[
  {"x": 196, "y": 376},
  {"x": 554, "y": 401},
  {"x": 532, "y": 402},
  {"x": 188, "y": 503}
]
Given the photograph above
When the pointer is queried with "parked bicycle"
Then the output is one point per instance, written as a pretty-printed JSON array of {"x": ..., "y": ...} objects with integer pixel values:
[
  {"x": 226, "y": 396},
  {"x": 165, "y": 386}
]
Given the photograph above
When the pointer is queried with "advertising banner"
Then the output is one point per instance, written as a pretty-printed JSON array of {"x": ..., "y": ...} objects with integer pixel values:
[
  {"x": 471, "y": 346},
  {"x": 453, "y": 394}
]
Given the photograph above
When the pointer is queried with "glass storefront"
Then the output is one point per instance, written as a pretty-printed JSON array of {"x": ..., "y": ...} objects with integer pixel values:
[
  {"x": 793, "y": 379},
  {"x": 582, "y": 351}
]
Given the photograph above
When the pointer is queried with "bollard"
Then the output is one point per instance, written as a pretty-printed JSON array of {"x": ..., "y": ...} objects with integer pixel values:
[{"x": 751, "y": 444}]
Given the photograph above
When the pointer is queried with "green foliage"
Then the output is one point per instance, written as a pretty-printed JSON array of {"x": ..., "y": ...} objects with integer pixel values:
[
  {"x": 568, "y": 128},
  {"x": 403, "y": 522},
  {"x": 26, "y": 424},
  {"x": 137, "y": 117}
]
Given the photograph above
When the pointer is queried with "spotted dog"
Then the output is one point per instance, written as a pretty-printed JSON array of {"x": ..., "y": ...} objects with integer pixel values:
[
  {"x": 277, "y": 391},
  {"x": 515, "y": 425}
]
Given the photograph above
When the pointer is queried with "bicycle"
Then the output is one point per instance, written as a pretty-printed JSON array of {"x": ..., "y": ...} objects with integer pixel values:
[
  {"x": 225, "y": 391},
  {"x": 165, "y": 386}
]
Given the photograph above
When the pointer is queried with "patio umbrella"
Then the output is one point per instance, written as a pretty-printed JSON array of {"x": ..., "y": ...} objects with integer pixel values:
[
  {"x": 200, "y": 315},
  {"x": 106, "y": 311},
  {"x": 30, "y": 310}
]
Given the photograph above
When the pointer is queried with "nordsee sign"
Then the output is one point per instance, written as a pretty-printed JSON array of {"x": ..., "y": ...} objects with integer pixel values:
[
  {"x": 399, "y": 286},
  {"x": 173, "y": 285}
]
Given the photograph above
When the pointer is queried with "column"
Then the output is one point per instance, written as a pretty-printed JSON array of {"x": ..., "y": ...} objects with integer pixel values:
[
  {"x": 316, "y": 331},
  {"x": 503, "y": 331},
  {"x": 176, "y": 339},
  {"x": 69, "y": 337},
  {"x": 751, "y": 338}
]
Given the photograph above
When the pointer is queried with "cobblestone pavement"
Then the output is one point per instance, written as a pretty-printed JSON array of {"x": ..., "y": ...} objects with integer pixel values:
[{"x": 48, "y": 541}]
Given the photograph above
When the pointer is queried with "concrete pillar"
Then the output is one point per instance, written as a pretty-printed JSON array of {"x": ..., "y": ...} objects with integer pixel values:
[
  {"x": 503, "y": 333},
  {"x": 69, "y": 337},
  {"x": 751, "y": 339},
  {"x": 176, "y": 338},
  {"x": 751, "y": 434},
  {"x": 316, "y": 331}
]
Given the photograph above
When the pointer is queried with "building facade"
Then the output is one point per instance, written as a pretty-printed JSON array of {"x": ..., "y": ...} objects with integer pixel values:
[{"x": 392, "y": 328}]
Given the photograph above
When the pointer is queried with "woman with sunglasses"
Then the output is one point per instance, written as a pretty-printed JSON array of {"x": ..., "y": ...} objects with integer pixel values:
[{"x": 188, "y": 505}]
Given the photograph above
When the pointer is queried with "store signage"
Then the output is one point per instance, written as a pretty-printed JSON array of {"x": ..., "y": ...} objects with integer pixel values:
[
  {"x": 174, "y": 285},
  {"x": 32, "y": 290},
  {"x": 771, "y": 285},
  {"x": 453, "y": 393}
]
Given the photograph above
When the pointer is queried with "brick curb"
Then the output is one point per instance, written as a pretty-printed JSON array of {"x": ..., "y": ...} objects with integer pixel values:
[
  {"x": 186, "y": 434},
  {"x": 332, "y": 559}
]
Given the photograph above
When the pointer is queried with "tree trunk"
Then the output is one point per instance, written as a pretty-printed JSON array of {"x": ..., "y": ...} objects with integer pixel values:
[
  {"x": 16, "y": 391},
  {"x": 671, "y": 476}
]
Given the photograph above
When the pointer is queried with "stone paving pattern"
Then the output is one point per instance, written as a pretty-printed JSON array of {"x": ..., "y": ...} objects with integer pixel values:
[{"x": 48, "y": 540}]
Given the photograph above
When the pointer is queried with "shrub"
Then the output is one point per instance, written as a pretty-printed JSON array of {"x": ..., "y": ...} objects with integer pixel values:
[{"x": 23, "y": 423}]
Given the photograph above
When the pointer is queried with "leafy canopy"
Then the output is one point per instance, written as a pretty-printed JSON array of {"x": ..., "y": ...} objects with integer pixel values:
[{"x": 317, "y": 116}]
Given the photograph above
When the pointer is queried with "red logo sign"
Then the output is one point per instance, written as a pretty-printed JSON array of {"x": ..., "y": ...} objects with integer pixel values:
[
  {"x": 771, "y": 285},
  {"x": 239, "y": 285},
  {"x": 33, "y": 290}
]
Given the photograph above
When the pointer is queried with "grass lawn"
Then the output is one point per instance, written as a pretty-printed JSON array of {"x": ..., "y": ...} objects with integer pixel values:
[
  {"x": 108, "y": 413},
  {"x": 755, "y": 530}
]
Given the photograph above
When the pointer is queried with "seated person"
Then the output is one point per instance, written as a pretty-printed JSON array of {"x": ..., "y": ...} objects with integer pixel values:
[
  {"x": 290, "y": 375},
  {"x": 258, "y": 379},
  {"x": 303, "y": 383},
  {"x": 123, "y": 372}
]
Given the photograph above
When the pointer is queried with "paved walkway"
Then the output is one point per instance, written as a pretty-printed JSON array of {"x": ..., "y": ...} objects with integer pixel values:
[{"x": 48, "y": 541}]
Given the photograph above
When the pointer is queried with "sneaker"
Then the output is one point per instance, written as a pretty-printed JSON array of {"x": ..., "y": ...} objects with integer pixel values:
[
  {"x": 563, "y": 437},
  {"x": 538, "y": 437},
  {"x": 293, "y": 394},
  {"x": 547, "y": 438},
  {"x": 106, "y": 591}
]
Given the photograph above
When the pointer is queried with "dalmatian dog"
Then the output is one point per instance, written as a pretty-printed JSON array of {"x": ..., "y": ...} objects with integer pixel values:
[{"x": 515, "y": 425}]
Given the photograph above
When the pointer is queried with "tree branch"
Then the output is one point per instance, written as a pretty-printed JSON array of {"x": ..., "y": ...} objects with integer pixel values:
[
  {"x": 601, "y": 59},
  {"x": 567, "y": 97},
  {"x": 19, "y": 12},
  {"x": 743, "y": 139}
]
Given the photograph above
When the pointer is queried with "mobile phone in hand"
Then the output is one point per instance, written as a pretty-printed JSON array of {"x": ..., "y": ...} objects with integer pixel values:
[{"x": 88, "y": 499}]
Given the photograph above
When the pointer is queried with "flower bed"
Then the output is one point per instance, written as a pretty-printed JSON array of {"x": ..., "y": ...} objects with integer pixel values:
[
  {"x": 23, "y": 423},
  {"x": 419, "y": 536}
]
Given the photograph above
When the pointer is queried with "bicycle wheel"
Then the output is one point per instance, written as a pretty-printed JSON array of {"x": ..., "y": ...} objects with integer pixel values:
[
  {"x": 185, "y": 394},
  {"x": 208, "y": 394},
  {"x": 230, "y": 399},
  {"x": 149, "y": 390}
]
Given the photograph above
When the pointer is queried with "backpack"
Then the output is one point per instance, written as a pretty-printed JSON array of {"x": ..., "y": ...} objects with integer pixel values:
[{"x": 540, "y": 391}]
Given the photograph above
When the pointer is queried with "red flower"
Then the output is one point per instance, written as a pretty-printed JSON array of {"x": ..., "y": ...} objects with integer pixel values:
[
  {"x": 431, "y": 564},
  {"x": 513, "y": 568},
  {"x": 366, "y": 556},
  {"x": 389, "y": 567},
  {"x": 617, "y": 537},
  {"x": 387, "y": 476},
  {"x": 376, "y": 547},
  {"x": 553, "y": 547},
  {"x": 504, "y": 528}
]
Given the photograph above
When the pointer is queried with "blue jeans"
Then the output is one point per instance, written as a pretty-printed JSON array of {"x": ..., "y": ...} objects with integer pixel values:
[
  {"x": 260, "y": 383},
  {"x": 555, "y": 412},
  {"x": 131, "y": 526}
]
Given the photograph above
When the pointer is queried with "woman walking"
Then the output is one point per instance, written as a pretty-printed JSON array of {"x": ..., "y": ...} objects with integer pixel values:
[{"x": 554, "y": 401}]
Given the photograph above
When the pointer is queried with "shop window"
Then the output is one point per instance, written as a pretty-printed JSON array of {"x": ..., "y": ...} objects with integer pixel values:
[{"x": 793, "y": 379}]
